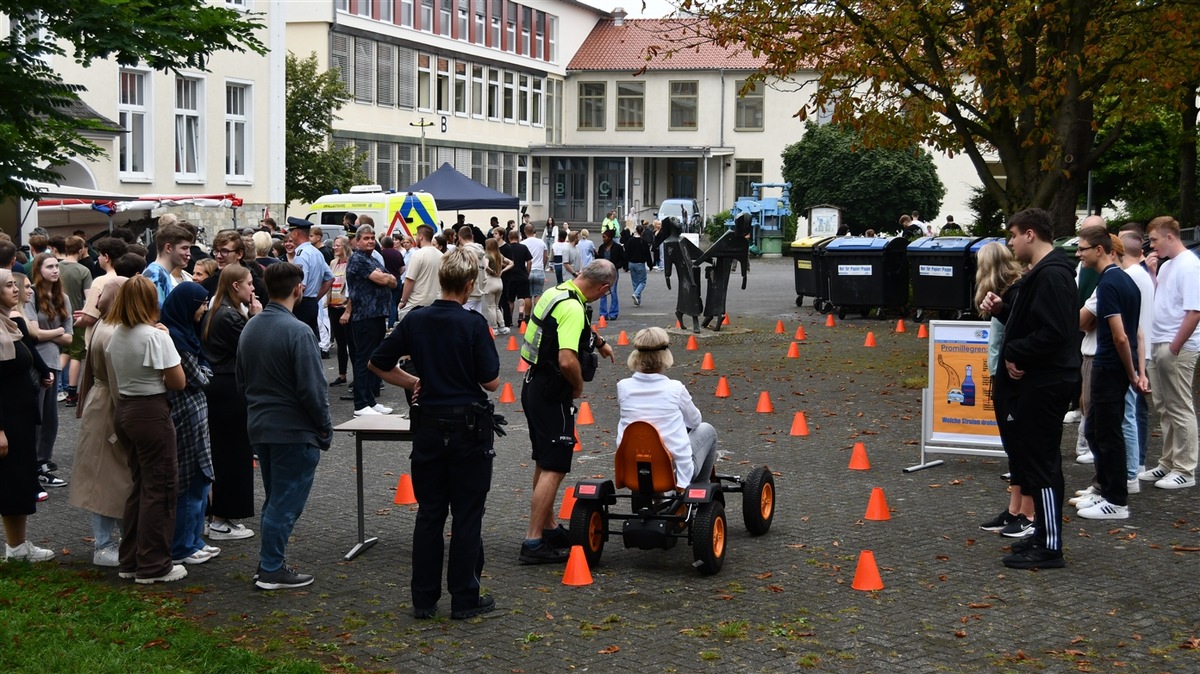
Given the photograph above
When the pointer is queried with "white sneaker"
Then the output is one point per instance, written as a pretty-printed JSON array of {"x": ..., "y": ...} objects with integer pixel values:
[
  {"x": 1173, "y": 480},
  {"x": 27, "y": 552},
  {"x": 382, "y": 409},
  {"x": 502, "y": 330},
  {"x": 1156, "y": 473},
  {"x": 1085, "y": 492},
  {"x": 62, "y": 395},
  {"x": 1133, "y": 486},
  {"x": 1071, "y": 417},
  {"x": 1086, "y": 458},
  {"x": 1088, "y": 494},
  {"x": 228, "y": 531},
  {"x": 367, "y": 412},
  {"x": 177, "y": 572},
  {"x": 106, "y": 556},
  {"x": 1103, "y": 510},
  {"x": 197, "y": 557},
  {"x": 1088, "y": 501},
  {"x": 212, "y": 550}
]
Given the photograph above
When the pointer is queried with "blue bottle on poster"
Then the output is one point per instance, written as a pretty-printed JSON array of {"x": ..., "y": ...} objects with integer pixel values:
[{"x": 968, "y": 390}]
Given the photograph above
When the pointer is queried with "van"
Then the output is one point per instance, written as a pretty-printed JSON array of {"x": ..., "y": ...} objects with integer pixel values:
[
  {"x": 394, "y": 214},
  {"x": 687, "y": 211}
]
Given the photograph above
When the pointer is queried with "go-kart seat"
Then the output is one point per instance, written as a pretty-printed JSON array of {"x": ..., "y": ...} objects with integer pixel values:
[{"x": 643, "y": 463}]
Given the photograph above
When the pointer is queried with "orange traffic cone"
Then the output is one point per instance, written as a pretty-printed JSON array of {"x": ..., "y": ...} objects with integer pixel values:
[
  {"x": 677, "y": 325},
  {"x": 725, "y": 321},
  {"x": 506, "y": 394},
  {"x": 622, "y": 339},
  {"x": 722, "y": 388},
  {"x": 877, "y": 507},
  {"x": 584, "y": 416},
  {"x": 603, "y": 322},
  {"x": 491, "y": 332},
  {"x": 404, "y": 491},
  {"x": 858, "y": 458},
  {"x": 799, "y": 424},
  {"x": 577, "y": 572},
  {"x": 866, "y": 576},
  {"x": 779, "y": 327},
  {"x": 578, "y": 444},
  {"x": 764, "y": 404},
  {"x": 568, "y": 504},
  {"x": 794, "y": 350},
  {"x": 922, "y": 333},
  {"x": 707, "y": 363},
  {"x": 900, "y": 326},
  {"x": 512, "y": 344},
  {"x": 521, "y": 328},
  {"x": 829, "y": 321},
  {"x": 800, "y": 336},
  {"x": 522, "y": 366},
  {"x": 692, "y": 344},
  {"x": 870, "y": 343}
]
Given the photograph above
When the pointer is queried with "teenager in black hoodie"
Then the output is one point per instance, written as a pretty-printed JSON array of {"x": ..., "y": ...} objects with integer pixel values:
[{"x": 1041, "y": 369}]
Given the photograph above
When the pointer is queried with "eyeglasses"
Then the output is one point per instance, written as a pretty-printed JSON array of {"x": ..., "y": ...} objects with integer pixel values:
[
  {"x": 222, "y": 252},
  {"x": 1083, "y": 248}
]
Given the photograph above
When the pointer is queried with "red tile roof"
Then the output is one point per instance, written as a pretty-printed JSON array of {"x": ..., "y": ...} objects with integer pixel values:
[{"x": 626, "y": 48}]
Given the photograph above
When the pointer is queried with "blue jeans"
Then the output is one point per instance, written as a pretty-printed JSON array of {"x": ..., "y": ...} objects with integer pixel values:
[
  {"x": 1143, "y": 427},
  {"x": 609, "y": 305},
  {"x": 189, "y": 519},
  {"x": 287, "y": 474},
  {"x": 103, "y": 529},
  {"x": 1129, "y": 429},
  {"x": 637, "y": 276}
]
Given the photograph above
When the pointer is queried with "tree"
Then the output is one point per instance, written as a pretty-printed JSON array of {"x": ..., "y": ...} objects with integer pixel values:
[
  {"x": 1026, "y": 83},
  {"x": 1141, "y": 170},
  {"x": 37, "y": 130},
  {"x": 314, "y": 166},
  {"x": 873, "y": 186}
]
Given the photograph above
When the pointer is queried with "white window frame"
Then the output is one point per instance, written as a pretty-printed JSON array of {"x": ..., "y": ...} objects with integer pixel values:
[
  {"x": 427, "y": 10},
  {"x": 493, "y": 94},
  {"x": 246, "y": 120},
  {"x": 385, "y": 74},
  {"x": 243, "y": 5},
  {"x": 462, "y": 88},
  {"x": 444, "y": 86},
  {"x": 523, "y": 99},
  {"x": 552, "y": 35},
  {"x": 509, "y": 106},
  {"x": 464, "y": 20},
  {"x": 481, "y": 23},
  {"x": 364, "y": 8},
  {"x": 425, "y": 87},
  {"x": 510, "y": 26},
  {"x": 342, "y": 5},
  {"x": 386, "y": 9},
  {"x": 446, "y": 14},
  {"x": 478, "y": 91},
  {"x": 182, "y": 116},
  {"x": 537, "y": 101},
  {"x": 406, "y": 13},
  {"x": 146, "y": 111}
]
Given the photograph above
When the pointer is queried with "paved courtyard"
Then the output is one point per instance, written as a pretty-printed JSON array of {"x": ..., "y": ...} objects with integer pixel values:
[{"x": 1126, "y": 602}]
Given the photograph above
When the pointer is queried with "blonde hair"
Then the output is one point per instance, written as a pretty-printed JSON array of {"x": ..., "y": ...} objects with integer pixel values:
[
  {"x": 458, "y": 268},
  {"x": 997, "y": 270},
  {"x": 209, "y": 266},
  {"x": 262, "y": 244},
  {"x": 136, "y": 303},
  {"x": 651, "y": 351}
]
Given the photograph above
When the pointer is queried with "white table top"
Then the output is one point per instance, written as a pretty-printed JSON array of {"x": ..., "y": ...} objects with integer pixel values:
[{"x": 387, "y": 423}]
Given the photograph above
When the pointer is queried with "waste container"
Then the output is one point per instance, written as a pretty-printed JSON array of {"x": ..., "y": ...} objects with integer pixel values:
[
  {"x": 942, "y": 274},
  {"x": 867, "y": 273},
  {"x": 809, "y": 255}
]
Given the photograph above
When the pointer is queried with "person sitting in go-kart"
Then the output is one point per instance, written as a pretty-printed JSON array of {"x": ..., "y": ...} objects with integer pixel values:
[{"x": 650, "y": 396}]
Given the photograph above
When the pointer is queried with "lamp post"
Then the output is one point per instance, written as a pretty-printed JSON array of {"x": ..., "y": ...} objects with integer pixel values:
[{"x": 422, "y": 124}]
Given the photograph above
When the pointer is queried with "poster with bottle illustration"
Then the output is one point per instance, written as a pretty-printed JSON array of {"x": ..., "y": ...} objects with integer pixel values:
[{"x": 960, "y": 386}]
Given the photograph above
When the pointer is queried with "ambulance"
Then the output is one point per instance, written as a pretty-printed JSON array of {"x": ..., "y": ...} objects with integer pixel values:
[{"x": 394, "y": 214}]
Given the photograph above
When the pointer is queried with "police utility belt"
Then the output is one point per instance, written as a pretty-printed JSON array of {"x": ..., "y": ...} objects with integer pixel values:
[{"x": 479, "y": 419}]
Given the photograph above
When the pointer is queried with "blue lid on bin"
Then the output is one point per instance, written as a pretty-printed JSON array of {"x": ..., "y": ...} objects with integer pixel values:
[
  {"x": 865, "y": 243},
  {"x": 985, "y": 241},
  {"x": 948, "y": 244}
]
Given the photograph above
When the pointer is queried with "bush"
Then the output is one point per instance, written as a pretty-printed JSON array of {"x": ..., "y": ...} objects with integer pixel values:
[{"x": 714, "y": 227}]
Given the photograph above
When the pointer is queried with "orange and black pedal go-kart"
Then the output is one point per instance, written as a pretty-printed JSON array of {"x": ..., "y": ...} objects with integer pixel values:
[{"x": 662, "y": 514}]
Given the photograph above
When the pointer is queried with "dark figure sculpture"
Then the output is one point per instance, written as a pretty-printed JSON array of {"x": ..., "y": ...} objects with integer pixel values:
[
  {"x": 682, "y": 256},
  {"x": 733, "y": 245}
]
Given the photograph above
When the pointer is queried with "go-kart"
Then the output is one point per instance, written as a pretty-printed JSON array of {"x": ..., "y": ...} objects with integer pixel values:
[{"x": 661, "y": 514}]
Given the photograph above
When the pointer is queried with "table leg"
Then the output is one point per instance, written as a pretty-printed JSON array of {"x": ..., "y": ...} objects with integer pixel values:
[{"x": 363, "y": 543}]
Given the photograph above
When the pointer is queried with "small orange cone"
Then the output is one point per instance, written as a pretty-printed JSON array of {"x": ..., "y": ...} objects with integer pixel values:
[
  {"x": 922, "y": 333},
  {"x": 677, "y": 325},
  {"x": 794, "y": 350},
  {"x": 707, "y": 364},
  {"x": 800, "y": 336},
  {"x": 603, "y": 322},
  {"x": 568, "y": 504},
  {"x": 584, "y": 416},
  {"x": 578, "y": 444},
  {"x": 829, "y": 321},
  {"x": 799, "y": 424},
  {"x": 577, "y": 572},
  {"x": 866, "y": 576},
  {"x": 522, "y": 366},
  {"x": 858, "y": 458},
  {"x": 692, "y": 344},
  {"x": 722, "y": 388},
  {"x": 622, "y": 339},
  {"x": 764, "y": 404},
  {"x": 870, "y": 343},
  {"x": 491, "y": 332},
  {"x": 506, "y": 394},
  {"x": 877, "y": 507},
  {"x": 404, "y": 491},
  {"x": 900, "y": 326},
  {"x": 725, "y": 321},
  {"x": 521, "y": 329},
  {"x": 512, "y": 344},
  {"x": 779, "y": 327}
]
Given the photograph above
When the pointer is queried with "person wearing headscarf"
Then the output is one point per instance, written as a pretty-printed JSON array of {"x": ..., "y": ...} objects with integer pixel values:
[{"x": 181, "y": 313}]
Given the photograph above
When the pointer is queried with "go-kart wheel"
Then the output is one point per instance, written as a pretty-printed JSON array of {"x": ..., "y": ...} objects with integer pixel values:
[
  {"x": 588, "y": 522},
  {"x": 708, "y": 537},
  {"x": 758, "y": 501}
]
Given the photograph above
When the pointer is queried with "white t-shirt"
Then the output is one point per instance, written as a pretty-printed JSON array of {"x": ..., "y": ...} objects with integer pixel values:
[
  {"x": 560, "y": 251},
  {"x": 668, "y": 406},
  {"x": 1178, "y": 292},
  {"x": 1145, "y": 285},
  {"x": 138, "y": 356},
  {"x": 1090, "y": 341},
  {"x": 537, "y": 250},
  {"x": 423, "y": 272}
]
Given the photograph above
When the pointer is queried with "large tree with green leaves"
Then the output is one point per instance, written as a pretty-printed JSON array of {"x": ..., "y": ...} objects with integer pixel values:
[
  {"x": 874, "y": 186},
  {"x": 1020, "y": 86},
  {"x": 37, "y": 130},
  {"x": 314, "y": 166}
]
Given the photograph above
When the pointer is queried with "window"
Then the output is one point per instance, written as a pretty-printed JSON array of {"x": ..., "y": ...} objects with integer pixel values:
[
  {"x": 749, "y": 109},
  {"x": 342, "y": 5},
  {"x": 364, "y": 8},
  {"x": 364, "y": 70},
  {"x": 631, "y": 106},
  {"x": 497, "y": 10},
  {"x": 523, "y": 177},
  {"x": 427, "y": 16},
  {"x": 364, "y": 150},
  {"x": 385, "y": 10},
  {"x": 684, "y": 104},
  {"x": 535, "y": 177},
  {"x": 508, "y": 184},
  {"x": 477, "y": 91},
  {"x": 133, "y": 116},
  {"x": 464, "y": 20},
  {"x": 510, "y": 95},
  {"x": 339, "y": 59},
  {"x": 526, "y": 24},
  {"x": 552, "y": 36},
  {"x": 554, "y": 102},
  {"x": 460, "y": 88},
  {"x": 406, "y": 13},
  {"x": 241, "y": 4},
  {"x": 480, "y": 21},
  {"x": 493, "y": 170},
  {"x": 824, "y": 115},
  {"x": 406, "y": 78},
  {"x": 188, "y": 92},
  {"x": 493, "y": 99},
  {"x": 536, "y": 102},
  {"x": 539, "y": 37},
  {"x": 385, "y": 79},
  {"x": 523, "y": 99},
  {"x": 591, "y": 105},
  {"x": 446, "y": 17},
  {"x": 746, "y": 171},
  {"x": 477, "y": 165},
  {"x": 510, "y": 28},
  {"x": 406, "y": 164},
  {"x": 424, "y": 82},
  {"x": 443, "y": 85},
  {"x": 237, "y": 131},
  {"x": 383, "y": 166}
]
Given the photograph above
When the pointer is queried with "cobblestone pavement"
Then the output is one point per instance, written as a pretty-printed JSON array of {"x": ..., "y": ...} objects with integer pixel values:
[{"x": 783, "y": 602}]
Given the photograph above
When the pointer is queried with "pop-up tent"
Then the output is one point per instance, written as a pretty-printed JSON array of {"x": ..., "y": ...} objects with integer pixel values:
[{"x": 456, "y": 192}]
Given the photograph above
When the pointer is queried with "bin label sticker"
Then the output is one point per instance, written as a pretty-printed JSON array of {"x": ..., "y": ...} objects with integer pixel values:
[
  {"x": 854, "y": 270},
  {"x": 803, "y": 264},
  {"x": 936, "y": 270}
]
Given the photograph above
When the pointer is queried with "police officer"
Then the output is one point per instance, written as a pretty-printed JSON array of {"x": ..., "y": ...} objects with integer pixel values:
[
  {"x": 560, "y": 348},
  {"x": 453, "y": 437}
]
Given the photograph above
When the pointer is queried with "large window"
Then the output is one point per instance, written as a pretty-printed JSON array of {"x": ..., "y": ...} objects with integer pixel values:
[
  {"x": 497, "y": 11},
  {"x": 631, "y": 106},
  {"x": 537, "y": 102},
  {"x": 591, "y": 105},
  {"x": 385, "y": 11},
  {"x": 188, "y": 142},
  {"x": 510, "y": 27},
  {"x": 339, "y": 59},
  {"x": 427, "y": 16},
  {"x": 443, "y": 85},
  {"x": 464, "y": 20},
  {"x": 685, "y": 103},
  {"x": 406, "y": 78},
  {"x": 477, "y": 98},
  {"x": 526, "y": 24},
  {"x": 446, "y": 17},
  {"x": 510, "y": 96},
  {"x": 480, "y": 22},
  {"x": 552, "y": 36},
  {"x": 539, "y": 37},
  {"x": 385, "y": 80},
  {"x": 406, "y": 13},
  {"x": 746, "y": 171},
  {"x": 523, "y": 99},
  {"x": 749, "y": 109},
  {"x": 493, "y": 96},
  {"x": 460, "y": 88},
  {"x": 364, "y": 70},
  {"x": 133, "y": 116},
  {"x": 237, "y": 131},
  {"x": 424, "y": 82}
]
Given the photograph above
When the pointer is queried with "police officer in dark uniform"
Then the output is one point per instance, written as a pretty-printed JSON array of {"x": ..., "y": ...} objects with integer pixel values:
[
  {"x": 560, "y": 348},
  {"x": 453, "y": 435}
]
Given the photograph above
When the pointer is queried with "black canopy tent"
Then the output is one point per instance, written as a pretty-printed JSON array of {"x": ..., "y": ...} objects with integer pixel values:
[{"x": 456, "y": 192}]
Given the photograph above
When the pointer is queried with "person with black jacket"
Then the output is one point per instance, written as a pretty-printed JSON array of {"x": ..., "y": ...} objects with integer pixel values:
[
  {"x": 1040, "y": 354},
  {"x": 613, "y": 252},
  {"x": 637, "y": 255}
]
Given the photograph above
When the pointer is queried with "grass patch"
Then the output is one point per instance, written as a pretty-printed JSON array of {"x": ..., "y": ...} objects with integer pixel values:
[
  {"x": 55, "y": 619},
  {"x": 914, "y": 383}
]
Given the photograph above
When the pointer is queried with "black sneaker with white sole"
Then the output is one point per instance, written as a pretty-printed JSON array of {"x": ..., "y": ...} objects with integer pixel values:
[
  {"x": 998, "y": 522},
  {"x": 50, "y": 480},
  {"x": 1019, "y": 528},
  {"x": 283, "y": 579}
]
